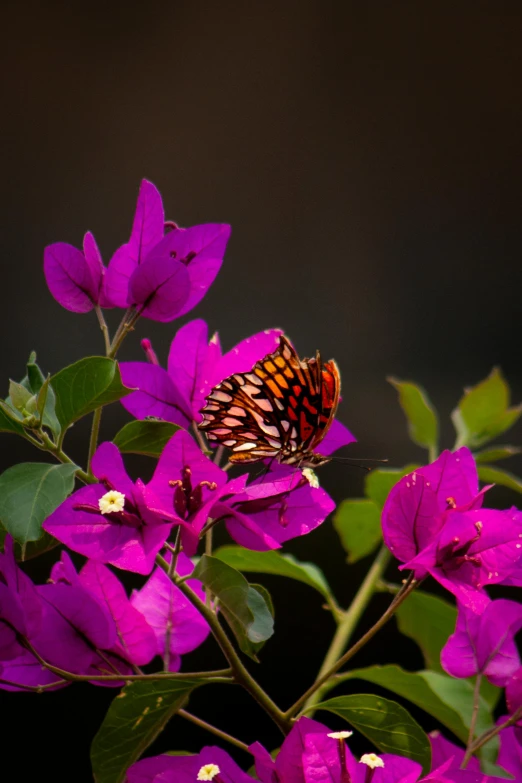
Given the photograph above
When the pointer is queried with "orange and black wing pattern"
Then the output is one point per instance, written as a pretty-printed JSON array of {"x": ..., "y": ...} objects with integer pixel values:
[{"x": 282, "y": 408}]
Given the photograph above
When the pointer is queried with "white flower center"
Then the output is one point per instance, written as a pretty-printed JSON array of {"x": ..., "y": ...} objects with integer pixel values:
[
  {"x": 111, "y": 501},
  {"x": 372, "y": 760},
  {"x": 340, "y": 735},
  {"x": 208, "y": 772},
  {"x": 312, "y": 479}
]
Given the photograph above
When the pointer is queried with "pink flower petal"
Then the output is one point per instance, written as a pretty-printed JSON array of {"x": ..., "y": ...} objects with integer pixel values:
[
  {"x": 136, "y": 641},
  {"x": 160, "y": 286},
  {"x": 69, "y": 278}
]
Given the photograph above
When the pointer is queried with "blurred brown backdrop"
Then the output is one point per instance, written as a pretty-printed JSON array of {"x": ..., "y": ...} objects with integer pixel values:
[{"x": 367, "y": 157}]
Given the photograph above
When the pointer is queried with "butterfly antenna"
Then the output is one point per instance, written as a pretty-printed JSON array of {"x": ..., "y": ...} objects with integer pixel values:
[{"x": 357, "y": 463}]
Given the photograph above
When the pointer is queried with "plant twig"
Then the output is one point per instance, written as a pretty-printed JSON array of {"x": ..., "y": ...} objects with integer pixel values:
[
  {"x": 104, "y": 328},
  {"x": 488, "y": 735},
  {"x": 33, "y": 688},
  {"x": 126, "y": 326},
  {"x": 61, "y": 456},
  {"x": 213, "y": 730},
  {"x": 473, "y": 721},
  {"x": 168, "y": 628},
  {"x": 407, "y": 588},
  {"x": 348, "y": 622},
  {"x": 240, "y": 673},
  {"x": 218, "y": 675}
]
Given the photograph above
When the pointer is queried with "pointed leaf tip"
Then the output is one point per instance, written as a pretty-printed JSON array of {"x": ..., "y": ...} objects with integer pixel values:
[{"x": 423, "y": 425}]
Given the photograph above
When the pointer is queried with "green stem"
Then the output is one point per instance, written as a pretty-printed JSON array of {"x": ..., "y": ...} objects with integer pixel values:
[
  {"x": 126, "y": 326},
  {"x": 473, "y": 721},
  {"x": 407, "y": 588},
  {"x": 213, "y": 730},
  {"x": 168, "y": 628},
  {"x": 349, "y": 620},
  {"x": 241, "y": 675},
  {"x": 219, "y": 675},
  {"x": 432, "y": 453},
  {"x": 56, "y": 451},
  {"x": 488, "y": 735},
  {"x": 95, "y": 431},
  {"x": 104, "y": 328},
  {"x": 34, "y": 688},
  {"x": 200, "y": 439}
]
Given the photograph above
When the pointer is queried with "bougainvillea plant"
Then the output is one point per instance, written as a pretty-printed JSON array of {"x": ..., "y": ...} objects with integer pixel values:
[{"x": 260, "y": 404}]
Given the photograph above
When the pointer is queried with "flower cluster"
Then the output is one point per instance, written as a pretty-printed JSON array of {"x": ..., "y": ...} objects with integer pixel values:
[
  {"x": 163, "y": 271},
  {"x": 434, "y": 523},
  {"x": 84, "y": 623},
  {"x": 311, "y": 753}
]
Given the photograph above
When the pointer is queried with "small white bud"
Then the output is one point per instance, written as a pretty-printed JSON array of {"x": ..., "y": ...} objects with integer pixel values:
[
  {"x": 311, "y": 477},
  {"x": 372, "y": 760},
  {"x": 340, "y": 734},
  {"x": 111, "y": 501},
  {"x": 208, "y": 772}
]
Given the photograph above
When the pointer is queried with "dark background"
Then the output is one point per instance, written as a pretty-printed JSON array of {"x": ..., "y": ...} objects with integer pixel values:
[{"x": 368, "y": 158}]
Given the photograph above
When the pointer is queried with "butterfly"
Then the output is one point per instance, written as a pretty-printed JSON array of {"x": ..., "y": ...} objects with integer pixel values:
[{"x": 281, "y": 409}]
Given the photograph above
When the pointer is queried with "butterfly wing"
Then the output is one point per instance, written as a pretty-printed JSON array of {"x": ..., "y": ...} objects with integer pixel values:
[
  {"x": 282, "y": 408},
  {"x": 240, "y": 414}
]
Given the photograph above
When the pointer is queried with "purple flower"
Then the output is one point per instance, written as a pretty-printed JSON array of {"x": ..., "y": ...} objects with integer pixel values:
[
  {"x": 473, "y": 549},
  {"x": 136, "y": 640},
  {"x": 74, "y": 625},
  {"x": 20, "y": 609},
  {"x": 190, "y": 490},
  {"x": 194, "y": 366},
  {"x": 21, "y": 612},
  {"x": 172, "y": 617},
  {"x": 164, "y": 275},
  {"x": 115, "y": 521},
  {"x": 485, "y": 643},
  {"x": 419, "y": 504},
  {"x": 186, "y": 485},
  {"x": 288, "y": 764},
  {"x": 327, "y": 759},
  {"x": 514, "y": 700},
  {"x": 212, "y": 764},
  {"x": 274, "y": 508},
  {"x": 510, "y": 754},
  {"x": 75, "y": 278}
]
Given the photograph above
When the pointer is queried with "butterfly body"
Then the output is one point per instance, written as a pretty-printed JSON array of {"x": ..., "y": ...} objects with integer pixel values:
[{"x": 280, "y": 409}]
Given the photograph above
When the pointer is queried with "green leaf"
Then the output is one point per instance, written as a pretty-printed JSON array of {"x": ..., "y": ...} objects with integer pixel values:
[
  {"x": 9, "y": 422},
  {"x": 496, "y": 453},
  {"x": 243, "y": 607},
  {"x": 19, "y": 396},
  {"x": 489, "y": 768},
  {"x": 379, "y": 482},
  {"x": 423, "y": 426},
  {"x": 483, "y": 412},
  {"x": 274, "y": 563},
  {"x": 134, "y": 720},
  {"x": 86, "y": 385},
  {"x": 448, "y": 700},
  {"x": 490, "y": 693},
  {"x": 35, "y": 378},
  {"x": 491, "y": 475},
  {"x": 46, "y": 406},
  {"x": 33, "y": 548},
  {"x": 385, "y": 723},
  {"x": 358, "y": 525},
  {"x": 29, "y": 492},
  {"x": 429, "y": 621},
  {"x": 145, "y": 437}
]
